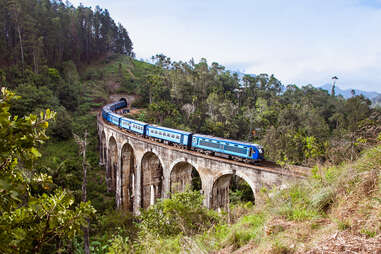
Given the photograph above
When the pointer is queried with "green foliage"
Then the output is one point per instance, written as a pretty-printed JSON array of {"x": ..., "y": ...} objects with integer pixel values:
[
  {"x": 182, "y": 213},
  {"x": 248, "y": 228},
  {"x": 31, "y": 216},
  {"x": 54, "y": 32},
  {"x": 240, "y": 191},
  {"x": 33, "y": 100},
  {"x": 120, "y": 245}
]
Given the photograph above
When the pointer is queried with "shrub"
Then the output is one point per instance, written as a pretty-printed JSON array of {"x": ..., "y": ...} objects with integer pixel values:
[{"x": 182, "y": 213}]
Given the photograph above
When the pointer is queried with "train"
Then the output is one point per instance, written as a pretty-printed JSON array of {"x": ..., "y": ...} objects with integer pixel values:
[{"x": 211, "y": 145}]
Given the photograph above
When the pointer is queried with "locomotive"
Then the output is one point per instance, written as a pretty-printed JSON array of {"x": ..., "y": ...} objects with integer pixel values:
[{"x": 238, "y": 150}]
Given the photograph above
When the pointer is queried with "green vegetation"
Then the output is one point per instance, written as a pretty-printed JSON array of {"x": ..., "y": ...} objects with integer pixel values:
[
  {"x": 36, "y": 34},
  {"x": 295, "y": 125},
  {"x": 71, "y": 60},
  {"x": 336, "y": 199},
  {"x": 33, "y": 214}
]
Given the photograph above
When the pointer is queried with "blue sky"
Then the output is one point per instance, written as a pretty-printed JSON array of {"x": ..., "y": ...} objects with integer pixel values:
[{"x": 299, "y": 41}]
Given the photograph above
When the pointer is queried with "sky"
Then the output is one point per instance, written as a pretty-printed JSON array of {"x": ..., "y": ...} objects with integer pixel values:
[{"x": 299, "y": 41}]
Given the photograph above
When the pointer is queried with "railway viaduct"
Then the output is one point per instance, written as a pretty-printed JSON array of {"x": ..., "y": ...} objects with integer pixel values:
[{"x": 140, "y": 171}]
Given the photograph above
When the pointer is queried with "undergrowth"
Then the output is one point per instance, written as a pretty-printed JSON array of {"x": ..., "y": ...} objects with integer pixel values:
[{"x": 335, "y": 198}]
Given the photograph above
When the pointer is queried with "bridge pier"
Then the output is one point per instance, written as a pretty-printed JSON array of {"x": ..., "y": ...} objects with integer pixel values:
[
  {"x": 220, "y": 193},
  {"x": 138, "y": 187}
]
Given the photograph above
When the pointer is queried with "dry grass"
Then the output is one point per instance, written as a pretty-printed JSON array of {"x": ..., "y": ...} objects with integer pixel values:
[{"x": 348, "y": 199}]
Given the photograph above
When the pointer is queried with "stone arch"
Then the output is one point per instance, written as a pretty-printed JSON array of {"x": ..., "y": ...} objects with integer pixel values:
[
  {"x": 112, "y": 162},
  {"x": 219, "y": 197},
  {"x": 151, "y": 178},
  {"x": 128, "y": 176},
  {"x": 103, "y": 149},
  {"x": 181, "y": 175}
]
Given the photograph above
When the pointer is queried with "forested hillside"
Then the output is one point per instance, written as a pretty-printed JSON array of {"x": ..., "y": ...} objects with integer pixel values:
[
  {"x": 43, "y": 44},
  {"x": 36, "y": 34},
  {"x": 295, "y": 125},
  {"x": 71, "y": 60}
]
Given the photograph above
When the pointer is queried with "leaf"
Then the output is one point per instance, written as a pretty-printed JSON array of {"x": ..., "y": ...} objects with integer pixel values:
[{"x": 35, "y": 152}]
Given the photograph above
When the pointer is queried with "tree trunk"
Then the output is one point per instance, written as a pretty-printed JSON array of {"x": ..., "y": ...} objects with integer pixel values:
[
  {"x": 21, "y": 47},
  {"x": 85, "y": 229}
]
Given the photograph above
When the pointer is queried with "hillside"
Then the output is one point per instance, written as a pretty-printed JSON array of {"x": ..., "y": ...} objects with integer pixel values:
[
  {"x": 347, "y": 93},
  {"x": 337, "y": 210}
]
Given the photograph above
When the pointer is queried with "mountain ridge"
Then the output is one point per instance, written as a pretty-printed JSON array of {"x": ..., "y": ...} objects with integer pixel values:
[{"x": 347, "y": 93}]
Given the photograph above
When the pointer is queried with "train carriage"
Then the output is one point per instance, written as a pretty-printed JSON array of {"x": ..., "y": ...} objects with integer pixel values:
[
  {"x": 133, "y": 125},
  {"x": 168, "y": 134},
  {"x": 108, "y": 111},
  {"x": 114, "y": 118},
  {"x": 226, "y": 146}
]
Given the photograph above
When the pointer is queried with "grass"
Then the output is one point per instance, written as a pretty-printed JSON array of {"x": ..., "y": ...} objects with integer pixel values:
[{"x": 341, "y": 198}]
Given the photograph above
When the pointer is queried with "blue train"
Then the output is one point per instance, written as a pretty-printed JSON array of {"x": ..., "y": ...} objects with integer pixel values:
[{"x": 191, "y": 141}]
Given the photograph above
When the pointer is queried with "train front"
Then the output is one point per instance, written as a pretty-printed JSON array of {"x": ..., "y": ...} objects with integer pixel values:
[{"x": 258, "y": 153}]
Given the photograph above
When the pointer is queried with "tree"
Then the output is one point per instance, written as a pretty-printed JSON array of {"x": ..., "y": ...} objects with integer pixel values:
[
  {"x": 83, "y": 146},
  {"x": 32, "y": 215}
]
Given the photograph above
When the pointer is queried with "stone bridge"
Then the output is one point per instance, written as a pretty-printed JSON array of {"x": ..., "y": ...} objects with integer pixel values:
[{"x": 140, "y": 170}]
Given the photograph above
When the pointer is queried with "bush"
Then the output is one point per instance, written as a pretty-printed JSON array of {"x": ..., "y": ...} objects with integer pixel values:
[{"x": 182, "y": 213}]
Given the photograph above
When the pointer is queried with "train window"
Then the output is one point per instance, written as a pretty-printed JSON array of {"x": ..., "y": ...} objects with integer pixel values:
[
  {"x": 173, "y": 136},
  {"x": 235, "y": 149}
]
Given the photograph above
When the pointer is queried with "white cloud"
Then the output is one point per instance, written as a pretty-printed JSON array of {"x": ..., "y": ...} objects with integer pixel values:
[{"x": 299, "y": 41}]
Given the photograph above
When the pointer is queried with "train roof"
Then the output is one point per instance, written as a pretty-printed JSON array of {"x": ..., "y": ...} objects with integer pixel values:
[
  {"x": 169, "y": 129},
  {"x": 133, "y": 120},
  {"x": 225, "y": 140}
]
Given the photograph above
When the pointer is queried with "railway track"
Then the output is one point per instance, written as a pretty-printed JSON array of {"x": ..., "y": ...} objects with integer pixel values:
[{"x": 290, "y": 170}]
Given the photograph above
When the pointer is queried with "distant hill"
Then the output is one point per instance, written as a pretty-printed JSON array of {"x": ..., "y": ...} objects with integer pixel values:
[{"x": 347, "y": 93}]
